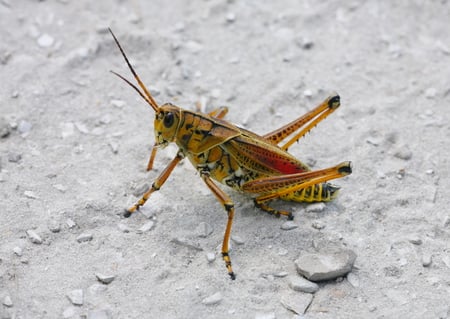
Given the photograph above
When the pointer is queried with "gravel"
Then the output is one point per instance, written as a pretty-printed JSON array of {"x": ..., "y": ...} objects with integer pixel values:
[
  {"x": 34, "y": 237},
  {"x": 212, "y": 299}
]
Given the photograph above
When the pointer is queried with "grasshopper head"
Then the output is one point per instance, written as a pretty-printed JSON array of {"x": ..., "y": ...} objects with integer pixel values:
[{"x": 167, "y": 121}]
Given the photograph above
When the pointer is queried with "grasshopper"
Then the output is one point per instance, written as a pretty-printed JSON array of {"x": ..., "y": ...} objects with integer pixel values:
[{"x": 233, "y": 156}]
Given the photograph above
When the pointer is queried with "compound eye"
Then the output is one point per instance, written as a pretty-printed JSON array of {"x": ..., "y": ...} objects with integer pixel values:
[{"x": 168, "y": 120}]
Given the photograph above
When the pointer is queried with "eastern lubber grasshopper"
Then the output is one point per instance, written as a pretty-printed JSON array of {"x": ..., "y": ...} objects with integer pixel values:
[{"x": 238, "y": 158}]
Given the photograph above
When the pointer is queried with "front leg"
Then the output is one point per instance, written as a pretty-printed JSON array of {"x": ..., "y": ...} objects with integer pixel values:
[
  {"x": 225, "y": 200},
  {"x": 159, "y": 181}
]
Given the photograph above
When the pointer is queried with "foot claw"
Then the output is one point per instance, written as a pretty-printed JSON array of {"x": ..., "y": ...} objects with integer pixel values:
[{"x": 126, "y": 213}]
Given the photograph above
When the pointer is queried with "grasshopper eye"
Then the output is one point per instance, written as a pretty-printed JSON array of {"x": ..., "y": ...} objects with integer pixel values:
[{"x": 168, "y": 120}]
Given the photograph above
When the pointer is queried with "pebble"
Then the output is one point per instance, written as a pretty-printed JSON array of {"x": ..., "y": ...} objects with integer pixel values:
[
  {"x": 69, "y": 312},
  {"x": 430, "y": 93},
  {"x": 307, "y": 93},
  {"x": 67, "y": 129},
  {"x": 114, "y": 147},
  {"x": 124, "y": 228},
  {"x": 353, "y": 279},
  {"x": 5, "y": 129},
  {"x": 18, "y": 251},
  {"x": 203, "y": 230},
  {"x": 303, "y": 285},
  {"x": 60, "y": 187},
  {"x": 54, "y": 226},
  {"x": 427, "y": 259},
  {"x": 118, "y": 103},
  {"x": 280, "y": 274},
  {"x": 70, "y": 223},
  {"x": 30, "y": 194},
  {"x": 237, "y": 240},
  {"x": 82, "y": 128},
  {"x": 297, "y": 303},
  {"x": 76, "y": 297},
  {"x": 84, "y": 237},
  {"x": 416, "y": 240},
  {"x": 34, "y": 237},
  {"x": 325, "y": 266},
  {"x": 7, "y": 301},
  {"x": 403, "y": 153},
  {"x": 45, "y": 40},
  {"x": 14, "y": 157},
  {"x": 315, "y": 208},
  {"x": 268, "y": 315},
  {"x": 289, "y": 225},
  {"x": 184, "y": 242},
  {"x": 210, "y": 257},
  {"x": 98, "y": 314},
  {"x": 231, "y": 17},
  {"x": 213, "y": 299},
  {"x": 146, "y": 227},
  {"x": 318, "y": 225},
  {"x": 105, "y": 278},
  {"x": 24, "y": 127}
]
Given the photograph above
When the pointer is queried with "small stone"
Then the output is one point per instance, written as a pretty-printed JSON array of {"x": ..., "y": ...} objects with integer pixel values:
[
  {"x": 76, "y": 297},
  {"x": 204, "y": 230},
  {"x": 45, "y": 41},
  {"x": 289, "y": 225},
  {"x": 69, "y": 312},
  {"x": 124, "y": 228},
  {"x": 146, "y": 227},
  {"x": 303, "y": 285},
  {"x": 30, "y": 194},
  {"x": 210, "y": 257},
  {"x": 18, "y": 251},
  {"x": 416, "y": 240},
  {"x": 184, "y": 242},
  {"x": 67, "y": 129},
  {"x": 5, "y": 129},
  {"x": 14, "y": 157},
  {"x": 268, "y": 315},
  {"x": 98, "y": 314},
  {"x": 60, "y": 187},
  {"x": 24, "y": 127},
  {"x": 213, "y": 299},
  {"x": 280, "y": 274},
  {"x": 427, "y": 259},
  {"x": 353, "y": 280},
  {"x": 7, "y": 301},
  {"x": 82, "y": 127},
  {"x": 105, "y": 278},
  {"x": 114, "y": 147},
  {"x": 297, "y": 303},
  {"x": 34, "y": 237},
  {"x": 318, "y": 225},
  {"x": 237, "y": 240},
  {"x": 54, "y": 226},
  {"x": 325, "y": 266},
  {"x": 307, "y": 93},
  {"x": 315, "y": 208},
  {"x": 84, "y": 237},
  {"x": 118, "y": 103},
  {"x": 430, "y": 93},
  {"x": 70, "y": 223},
  {"x": 403, "y": 153},
  {"x": 429, "y": 171},
  {"x": 231, "y": 17}
]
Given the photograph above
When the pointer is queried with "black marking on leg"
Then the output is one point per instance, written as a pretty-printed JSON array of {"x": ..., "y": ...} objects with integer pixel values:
[
  {"x": 232, "y": 275},
  {"x": 126, "y": 213},
  {"x": 228, "y": 207},
  {"x": 334, "y": 102}
]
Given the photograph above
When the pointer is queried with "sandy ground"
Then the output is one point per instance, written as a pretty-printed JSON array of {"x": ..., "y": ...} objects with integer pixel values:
[{"x": 79, "y": 140}]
